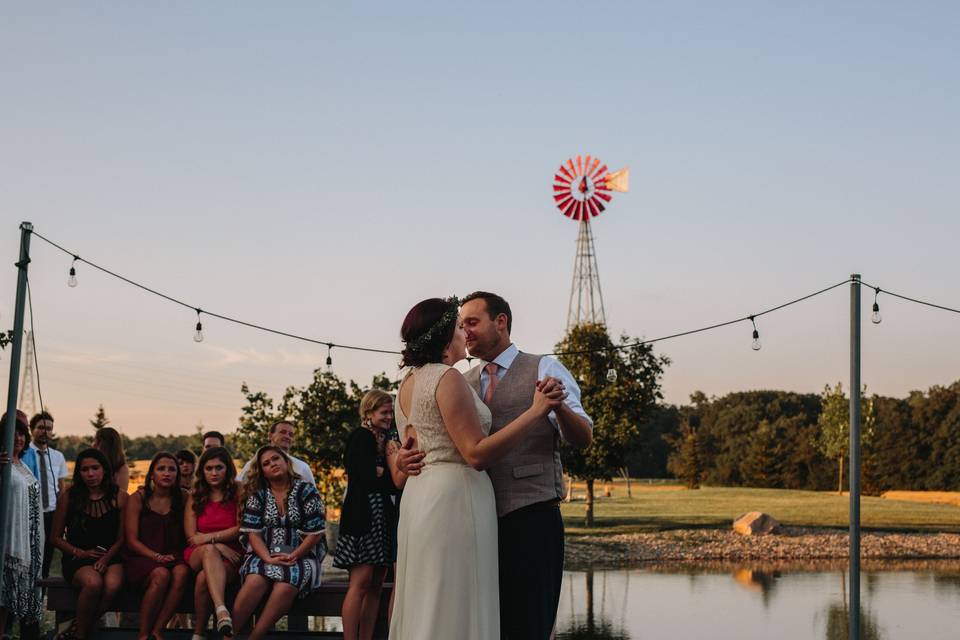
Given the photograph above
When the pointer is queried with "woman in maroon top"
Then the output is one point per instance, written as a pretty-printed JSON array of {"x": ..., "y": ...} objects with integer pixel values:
[
  {"x": 154, "y": 531},
  {"x": 212, "y": 528}
]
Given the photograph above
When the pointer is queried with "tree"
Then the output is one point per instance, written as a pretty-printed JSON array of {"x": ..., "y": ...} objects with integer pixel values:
[
  {"x": 619, "y": 408},
  {"x": 100, "y": 420},
  {"x": 684, "y": 462},
  {"x": 325, "y": 410},
  {"x": 834, "y": 423}
]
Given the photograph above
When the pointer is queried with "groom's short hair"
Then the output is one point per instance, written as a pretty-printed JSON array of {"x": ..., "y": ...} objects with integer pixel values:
[{"x": 495, "y": 305}]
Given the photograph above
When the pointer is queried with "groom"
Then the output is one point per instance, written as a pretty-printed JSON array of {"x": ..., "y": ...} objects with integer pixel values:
[{"x": 528, "y": 482}]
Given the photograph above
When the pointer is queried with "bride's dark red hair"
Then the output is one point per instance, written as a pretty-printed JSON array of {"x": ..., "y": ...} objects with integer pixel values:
[{"x": 423, "y": 317}]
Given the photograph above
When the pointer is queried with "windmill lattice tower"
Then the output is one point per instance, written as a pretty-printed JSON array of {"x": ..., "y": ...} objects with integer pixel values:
[
  {"x": 580, "y": 189},
  {"x": 28, "y": 394}
]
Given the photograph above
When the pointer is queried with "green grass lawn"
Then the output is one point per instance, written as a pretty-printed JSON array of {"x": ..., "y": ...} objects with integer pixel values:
[{"x": 711, "y": 507}]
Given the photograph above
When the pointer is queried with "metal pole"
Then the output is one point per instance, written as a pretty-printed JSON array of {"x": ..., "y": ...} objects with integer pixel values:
[
  {"x": 854, "y": 457},
  {"x": 10, "y": 425}
]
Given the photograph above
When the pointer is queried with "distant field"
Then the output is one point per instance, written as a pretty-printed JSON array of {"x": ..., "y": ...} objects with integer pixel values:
[
  {"x": 934, "y": 497},
  {"x": 662, "y": 507}
]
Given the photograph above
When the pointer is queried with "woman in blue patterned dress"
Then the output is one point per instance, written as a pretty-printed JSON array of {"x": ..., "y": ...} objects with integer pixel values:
[{"x": 282, "y": 528}]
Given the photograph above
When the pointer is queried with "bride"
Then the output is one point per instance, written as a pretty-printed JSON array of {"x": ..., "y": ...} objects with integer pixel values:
[{"x": 447, "y": 576}]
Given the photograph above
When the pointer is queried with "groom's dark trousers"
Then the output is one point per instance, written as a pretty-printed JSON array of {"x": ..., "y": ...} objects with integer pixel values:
[{"x": 531, "y": 570}]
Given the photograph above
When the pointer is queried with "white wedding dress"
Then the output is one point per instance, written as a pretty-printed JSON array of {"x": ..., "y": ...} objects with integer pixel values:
[{"x": 447, "y": 576}]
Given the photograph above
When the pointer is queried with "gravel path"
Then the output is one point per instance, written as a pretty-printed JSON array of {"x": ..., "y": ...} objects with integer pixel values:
[{"x": 794, "y": 544}]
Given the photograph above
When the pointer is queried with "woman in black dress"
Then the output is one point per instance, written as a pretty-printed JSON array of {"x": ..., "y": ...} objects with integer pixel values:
[
  {"x": 367, "y": 541},
  {"x": 87, "y": 530}
]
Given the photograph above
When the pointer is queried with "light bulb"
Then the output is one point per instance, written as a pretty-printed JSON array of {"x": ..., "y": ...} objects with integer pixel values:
[
  {"x": 198, "y": 336},
  {"x": 756, "y": 341},
  {"x": 875, "y": 316},
  {"x": 611, "y": 375},
  {"x": 72, "y": 280}
]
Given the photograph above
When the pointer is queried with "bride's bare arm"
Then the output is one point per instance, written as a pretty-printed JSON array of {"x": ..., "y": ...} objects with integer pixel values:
[{"x": 459, "y": 414}]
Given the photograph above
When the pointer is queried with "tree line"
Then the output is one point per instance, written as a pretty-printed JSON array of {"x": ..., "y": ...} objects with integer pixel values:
[{"x": 767, "y": 438}]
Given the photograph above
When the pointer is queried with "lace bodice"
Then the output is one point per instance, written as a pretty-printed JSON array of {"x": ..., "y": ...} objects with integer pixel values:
[{"x": 432, "y": 434}]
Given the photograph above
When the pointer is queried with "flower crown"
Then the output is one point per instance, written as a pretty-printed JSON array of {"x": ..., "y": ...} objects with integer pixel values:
[{"x": 438, "y": 327}]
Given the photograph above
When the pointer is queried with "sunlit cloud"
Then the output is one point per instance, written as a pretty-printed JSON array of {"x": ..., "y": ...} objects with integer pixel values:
[{"x": 281, "y": 357}]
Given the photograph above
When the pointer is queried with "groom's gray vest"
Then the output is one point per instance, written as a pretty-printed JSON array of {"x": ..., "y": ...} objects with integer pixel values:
[{"x": 531, "y": 472}]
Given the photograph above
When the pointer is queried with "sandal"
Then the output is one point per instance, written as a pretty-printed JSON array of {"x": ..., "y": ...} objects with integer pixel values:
[{"x": 224, "y": 624}]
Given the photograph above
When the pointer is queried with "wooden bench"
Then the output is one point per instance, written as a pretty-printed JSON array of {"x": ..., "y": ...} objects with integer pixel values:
[{"x": 326, "y": 601}]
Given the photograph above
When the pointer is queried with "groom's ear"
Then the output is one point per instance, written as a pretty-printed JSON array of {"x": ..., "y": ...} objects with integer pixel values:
[{"x": 503, "y": 323}]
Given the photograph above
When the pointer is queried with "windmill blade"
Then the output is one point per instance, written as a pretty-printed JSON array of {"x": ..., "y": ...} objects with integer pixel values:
[{"x": 618, "y": 180}]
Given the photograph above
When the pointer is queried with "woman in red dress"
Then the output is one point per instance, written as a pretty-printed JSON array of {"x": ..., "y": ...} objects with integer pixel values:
[
  {"x": 212, "y": 528},
  {"x": 153, "y": 521}
]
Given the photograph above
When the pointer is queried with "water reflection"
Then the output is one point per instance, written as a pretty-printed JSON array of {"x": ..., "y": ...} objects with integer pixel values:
[
  {"x": 594, "y": 626},
  {"x": 782, "y": 600},
  {"x": 837, "y": 624},
  {"x": 759, "y": 580}
]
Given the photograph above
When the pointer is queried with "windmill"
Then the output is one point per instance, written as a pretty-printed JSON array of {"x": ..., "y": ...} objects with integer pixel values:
[{"x": 580, "y": 189}]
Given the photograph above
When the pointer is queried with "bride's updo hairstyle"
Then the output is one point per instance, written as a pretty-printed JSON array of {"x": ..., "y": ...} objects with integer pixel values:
[{"x": 427, "y": 330}]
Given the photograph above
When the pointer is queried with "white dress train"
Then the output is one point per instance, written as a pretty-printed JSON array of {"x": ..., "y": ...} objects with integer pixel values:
[{"x": 447, "y": 576}]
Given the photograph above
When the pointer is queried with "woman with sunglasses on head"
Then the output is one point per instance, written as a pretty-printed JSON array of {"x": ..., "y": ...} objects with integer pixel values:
[
  {"x": 153, "y": 523},
  {"x": 282, "y": 526},
  {"x": 212, "y": 527},
  {"x": 87, "y": 529},
  {"x": 367, "y": 541}
]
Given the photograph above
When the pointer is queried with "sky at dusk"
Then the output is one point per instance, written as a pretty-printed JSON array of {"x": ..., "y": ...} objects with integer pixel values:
[{"x": 321, "y": 167}]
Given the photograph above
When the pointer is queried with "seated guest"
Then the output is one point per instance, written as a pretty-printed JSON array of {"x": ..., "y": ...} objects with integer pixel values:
[
  {"x": 187, "y": 461},
  {"x": 283, "y": 532},
  {"x": 23, "y": 551},
  {"x": 89, "y": 514},
  {"x": 108, "y": 441},
  {"x": 213, "y": 439},
  {"x": 153, "y": 523},
  {"x": 212, "y": 528},
  {"x": 281, "y": 436}
]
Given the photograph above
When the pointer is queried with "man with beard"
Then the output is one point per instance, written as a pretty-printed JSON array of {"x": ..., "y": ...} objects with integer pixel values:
[{"x": 528, "y": 482}]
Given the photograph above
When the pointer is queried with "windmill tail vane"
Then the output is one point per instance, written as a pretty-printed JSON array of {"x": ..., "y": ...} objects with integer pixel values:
[{"x": 582, "y": 187}]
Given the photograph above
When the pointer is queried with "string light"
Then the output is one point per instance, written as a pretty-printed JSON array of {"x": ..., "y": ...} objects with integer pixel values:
[
  {"x": 611, "y": 375},
  {"x": 755, "y": 345},
  {"x": 329, "y": 357},
  {"x": 198, "y": 335},
  {"x": 72, "y": 280}
]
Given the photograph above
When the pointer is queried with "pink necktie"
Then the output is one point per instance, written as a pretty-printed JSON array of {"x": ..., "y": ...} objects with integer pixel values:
[{"x": 492, "y": 381}]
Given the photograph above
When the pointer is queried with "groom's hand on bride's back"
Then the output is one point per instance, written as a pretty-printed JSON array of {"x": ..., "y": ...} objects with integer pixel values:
[{"x": 410, "y": 460}]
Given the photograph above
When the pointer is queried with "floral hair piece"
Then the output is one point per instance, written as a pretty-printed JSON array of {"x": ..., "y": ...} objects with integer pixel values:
[{"x": 450, "y": 315}]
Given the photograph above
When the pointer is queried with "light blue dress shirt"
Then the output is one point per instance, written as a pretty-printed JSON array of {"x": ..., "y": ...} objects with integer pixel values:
[{"x": 549, "y": 366}]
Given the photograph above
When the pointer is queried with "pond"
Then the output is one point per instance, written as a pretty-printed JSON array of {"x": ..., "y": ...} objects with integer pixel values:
[{"x": 784, "y": 602}]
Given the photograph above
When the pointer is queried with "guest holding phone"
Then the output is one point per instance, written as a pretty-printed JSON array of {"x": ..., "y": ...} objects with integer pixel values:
[
  {"x": 212, "y": 528},
  {"x": 153, "y": 523},
  {"x": 282, "y": 528},
  {"x": 88, "y": 531},
  {"x": 367, "y": 541}
]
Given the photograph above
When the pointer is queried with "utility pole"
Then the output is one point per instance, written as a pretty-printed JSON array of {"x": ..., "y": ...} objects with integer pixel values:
[
  {"x": 11, "y": 423},
  {"x": 854, "y": 457}
]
